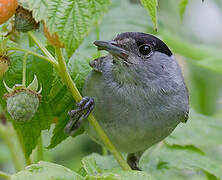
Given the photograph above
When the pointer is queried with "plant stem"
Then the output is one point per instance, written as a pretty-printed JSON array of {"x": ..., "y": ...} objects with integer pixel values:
[
  {"x": 44, "y": 50},
  {"x": 32, "y": 53},
  {"x": 104, "y": 151},
  {"x": 5, "y": 175},
  {"x": 8, "y": 134},
  {"x": 40, "y": 155},
  {"x": 24, "y": 70},
  {"x": 77, "y": 96}
]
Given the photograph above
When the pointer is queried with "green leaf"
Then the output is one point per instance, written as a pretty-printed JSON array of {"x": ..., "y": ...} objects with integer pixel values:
[
  {"x": 71, "y": 20},
  {"x": 181, "y": 158},
  {"x": 151, "y": 7},
  {"x": 122, "y": 175},
  {"x": 182, "y": 7},
  {"x": 39, "y": 9},
  {"x": 94, "y": 166},
  {"x": 90, "y": 166},
  {"x": 200, "y": 128},
  {"x": 102, "y": 162},
  {"x": 46, "y": 171}
]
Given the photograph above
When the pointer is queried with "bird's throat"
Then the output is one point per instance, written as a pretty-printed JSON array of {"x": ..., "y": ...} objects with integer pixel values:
[{"x": 123, "y": 74}]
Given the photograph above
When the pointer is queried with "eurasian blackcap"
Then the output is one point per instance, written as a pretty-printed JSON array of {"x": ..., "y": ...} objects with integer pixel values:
[{"x": 138, "y": 91}]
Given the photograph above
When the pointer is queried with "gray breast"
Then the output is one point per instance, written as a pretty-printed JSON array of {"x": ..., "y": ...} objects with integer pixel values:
[{"x": 134, "y": 117}]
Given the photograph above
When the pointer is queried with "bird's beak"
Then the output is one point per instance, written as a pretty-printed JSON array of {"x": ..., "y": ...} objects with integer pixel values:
[{"x": 112, "y": 48}]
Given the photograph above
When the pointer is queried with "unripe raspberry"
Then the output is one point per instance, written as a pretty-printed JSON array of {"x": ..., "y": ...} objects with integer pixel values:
[
  {"x": 22, "y": 104},
  {"x": 24, "y": 21}
]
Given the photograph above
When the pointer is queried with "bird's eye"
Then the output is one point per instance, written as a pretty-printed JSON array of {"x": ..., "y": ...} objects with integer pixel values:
[{"x": 145, "y": 49}]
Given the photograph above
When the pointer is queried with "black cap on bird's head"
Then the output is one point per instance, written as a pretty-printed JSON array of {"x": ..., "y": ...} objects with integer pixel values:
[{"x": 130, "y": 44}]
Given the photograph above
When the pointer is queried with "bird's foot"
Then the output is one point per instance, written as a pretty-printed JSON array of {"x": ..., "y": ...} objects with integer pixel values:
[
  {"x": 84, "y": 108},
  {"x": 133, "y": 160}
]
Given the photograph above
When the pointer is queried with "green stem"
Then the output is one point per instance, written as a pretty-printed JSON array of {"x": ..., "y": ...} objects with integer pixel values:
[
  {"x": 28, "y": 161},
  {"x": 40, "y": 155},
  {"x": 104, "y": 151},
  {"x": 24, "y": 70},
  {"x": 8, "y": 134},
  {"x": 5, "y": 175},
  {"x": 44, "y": 50},
  {"x": 33, "y": 53},
  {"x": 77, "y": 96}
]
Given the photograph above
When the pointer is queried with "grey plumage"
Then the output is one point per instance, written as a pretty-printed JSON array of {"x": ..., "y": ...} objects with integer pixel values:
[{"x": 139, "y": 99}]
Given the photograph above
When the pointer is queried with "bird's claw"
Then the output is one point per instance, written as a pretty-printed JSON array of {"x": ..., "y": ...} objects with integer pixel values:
[{"x": 84, "y": 108}]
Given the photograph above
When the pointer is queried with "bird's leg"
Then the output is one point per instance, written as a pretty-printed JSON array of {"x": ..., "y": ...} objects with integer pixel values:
[
  {"x": 84, "y": 108},
  {"x": 132, "y": 160}
]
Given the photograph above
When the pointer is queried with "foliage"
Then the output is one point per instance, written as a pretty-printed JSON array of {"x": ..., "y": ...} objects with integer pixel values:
[
  {"x": 191, "y": 151},
  {"x": 71, "y": 20}
]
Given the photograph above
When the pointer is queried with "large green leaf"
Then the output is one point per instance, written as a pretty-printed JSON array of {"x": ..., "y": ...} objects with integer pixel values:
[
  {"x": 151, "y": 7},
  {"x": 71, "y": 20},
  {"x": 46, "y": 171},
  {"x": 197, "y": 132},
  {"x": 180, "y": 158}
]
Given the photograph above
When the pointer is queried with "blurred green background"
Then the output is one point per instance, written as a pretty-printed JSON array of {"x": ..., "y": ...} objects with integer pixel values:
[{"x": 199, "y": 34}]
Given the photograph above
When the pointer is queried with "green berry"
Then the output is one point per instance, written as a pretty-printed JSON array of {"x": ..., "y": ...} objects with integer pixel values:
[
  {"x": 24, "y": 21},
  {"x": 22, "y": 104}
]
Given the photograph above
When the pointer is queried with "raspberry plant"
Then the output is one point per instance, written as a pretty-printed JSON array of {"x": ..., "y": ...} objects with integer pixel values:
[{"x": 58, "y": 54}]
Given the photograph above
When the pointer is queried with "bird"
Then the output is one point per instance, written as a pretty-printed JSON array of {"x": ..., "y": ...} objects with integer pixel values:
[{"x": 137, "y": 93}]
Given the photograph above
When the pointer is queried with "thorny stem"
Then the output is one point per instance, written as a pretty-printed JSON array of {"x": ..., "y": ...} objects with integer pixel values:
[
  {"x": 5, "y": 175},
  {"x": 77, "y": 96},
  {"x": 24, "y": 69}
]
